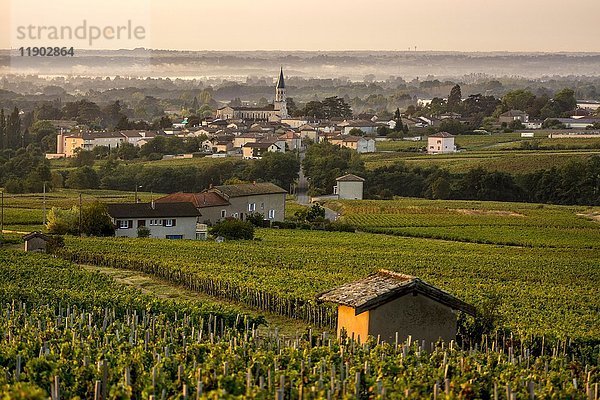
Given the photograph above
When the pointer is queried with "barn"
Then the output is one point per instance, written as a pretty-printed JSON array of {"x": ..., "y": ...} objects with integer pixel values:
[{"x": 387, "y": 304}]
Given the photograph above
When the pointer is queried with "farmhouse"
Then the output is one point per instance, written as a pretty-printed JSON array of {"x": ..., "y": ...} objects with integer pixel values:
[
  {"x": 387, "y": 304},
  {"x": 513, "y": 115},
  {"x": 440, "y": 143},
  {"x": 234, "y": 201},
  {"x": 164, "y": 220}
]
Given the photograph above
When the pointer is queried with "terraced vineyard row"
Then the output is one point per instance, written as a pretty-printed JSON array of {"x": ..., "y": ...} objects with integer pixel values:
[
  {"x": 541, "y": 290},
  {"x": 69, "y": 333}
]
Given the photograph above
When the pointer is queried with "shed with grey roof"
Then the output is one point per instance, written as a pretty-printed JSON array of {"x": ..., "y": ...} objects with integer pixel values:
[{"x": 394, "y": 306}]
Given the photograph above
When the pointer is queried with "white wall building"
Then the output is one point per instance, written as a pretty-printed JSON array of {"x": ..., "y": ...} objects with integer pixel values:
[
  {"x": 440, "y": 143},
  {"x": 349, "y": 187}
]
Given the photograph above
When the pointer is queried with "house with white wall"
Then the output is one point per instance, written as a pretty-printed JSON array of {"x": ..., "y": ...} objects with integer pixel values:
[{"x": 440, "y": 143}]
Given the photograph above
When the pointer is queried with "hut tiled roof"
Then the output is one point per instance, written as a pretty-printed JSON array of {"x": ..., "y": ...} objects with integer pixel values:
[
  {"x": 441, "y": 135},
  {"x": 32, "y": 235},
  {"x": 350, "y": 178},
  {"x": 384, "y": 286}
]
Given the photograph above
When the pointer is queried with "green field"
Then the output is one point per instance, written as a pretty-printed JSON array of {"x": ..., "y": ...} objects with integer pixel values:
[{"x": 513, "y": 162}]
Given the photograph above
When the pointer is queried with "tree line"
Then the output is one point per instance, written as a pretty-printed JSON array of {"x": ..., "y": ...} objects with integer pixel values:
[{"x": 576, "y": 183}]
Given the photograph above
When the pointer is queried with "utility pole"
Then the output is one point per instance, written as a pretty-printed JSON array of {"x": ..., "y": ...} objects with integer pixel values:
[
  {"x": 80, "y": 214},
  {"x": 44, "y": 204}
]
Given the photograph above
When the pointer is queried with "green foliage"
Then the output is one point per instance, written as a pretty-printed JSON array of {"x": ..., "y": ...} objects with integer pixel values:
[
  {"x": 256, "y": 219},
  {"x": 315, "y": 212},
  {"x": 95, "y": 220},
  {"x": 275, "y": 167},
  {"x": 62, "y": 222},
  {"x": 331, "y": 107},
  {"x": 83, "y": 178},
  {"x": 233, "y": 229},
  {"x": 143, "y": 232},
  {"x": 83, "y": 158},
  {"x": 325, "y": 162}
]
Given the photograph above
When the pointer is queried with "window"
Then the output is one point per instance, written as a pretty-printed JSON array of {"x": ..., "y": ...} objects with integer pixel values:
[
  {"x": 251, "y": 207},
  {"x": 223, "y": 213},
  {"x": 124, "y": 224},
  {"x": 169, "y": 223},
  {"x": 271, "y": 214},
  {"x": 154, "y": 222},
  {"x": 262, "y": 206},
  {"x": 141, "y": 222},
  {"x": 235, "y": 215}
]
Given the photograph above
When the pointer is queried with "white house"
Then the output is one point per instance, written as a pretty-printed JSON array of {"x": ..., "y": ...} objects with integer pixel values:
[
  {"x": 349, "y": 187},
  {"x": 440, "y": 143},
  {"x": 164, "y": 220}
]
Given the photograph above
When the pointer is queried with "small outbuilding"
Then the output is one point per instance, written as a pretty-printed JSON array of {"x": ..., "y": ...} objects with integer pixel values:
[
  {"x": 385, "y": 303},
  {"x": 349, "y": 187},
  {"x": 36, "y": 241}
]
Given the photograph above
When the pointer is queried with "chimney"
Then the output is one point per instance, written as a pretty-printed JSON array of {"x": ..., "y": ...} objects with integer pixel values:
[{"x": 152, "y": 204}]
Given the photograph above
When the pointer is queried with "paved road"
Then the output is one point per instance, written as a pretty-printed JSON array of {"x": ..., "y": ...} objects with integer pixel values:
[{"x": 302, "y": 188}]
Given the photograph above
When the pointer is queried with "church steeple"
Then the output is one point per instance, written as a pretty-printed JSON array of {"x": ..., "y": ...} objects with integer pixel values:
[
  {"x": 281, "y": 81},
  {"x": 280, "y": 102}
]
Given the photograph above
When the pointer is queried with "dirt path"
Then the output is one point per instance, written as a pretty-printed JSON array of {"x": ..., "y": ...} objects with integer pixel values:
[{"x": 163, "y": 289}]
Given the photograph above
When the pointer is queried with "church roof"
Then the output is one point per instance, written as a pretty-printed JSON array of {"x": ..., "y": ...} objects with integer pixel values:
[{"x": 280, "y": 81}]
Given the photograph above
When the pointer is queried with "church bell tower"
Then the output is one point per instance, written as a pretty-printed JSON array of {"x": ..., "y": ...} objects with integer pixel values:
[{"x": 280, "y": 102}]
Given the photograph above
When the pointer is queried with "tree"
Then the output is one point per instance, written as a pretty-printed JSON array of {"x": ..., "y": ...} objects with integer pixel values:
[
  {"x": 127, "y": 151},
  {"x": 517, "y": 100},
  {"x": 331, "y": 107},
  {"x": 62, "y": 222},
  {"x": 315, "y": 213},
  {"x": 3, "y": 144},
  {"x": 42, "y": 129},
  {"x": 440, "y": 188},
  {"x": 83, "y": 178},
  {"x": 13, "y": 130},
  {"x": 455, "y": 99},
  {"x": 275, "y": 167},
  {"x": 83, "y": 158},
  {"x": 95, "y": 220},
  {"x": 325, "y": 162}
]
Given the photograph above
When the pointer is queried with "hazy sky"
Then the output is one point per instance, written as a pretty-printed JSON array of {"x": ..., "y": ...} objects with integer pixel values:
[{"x": 464, "y": 25}]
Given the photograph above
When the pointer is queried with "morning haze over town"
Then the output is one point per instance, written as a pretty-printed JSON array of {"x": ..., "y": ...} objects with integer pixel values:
[{"x": 299, "y": 200}]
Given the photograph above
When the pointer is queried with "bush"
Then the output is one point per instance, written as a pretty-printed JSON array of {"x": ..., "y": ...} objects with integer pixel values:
[
  {"x": 234, "y": 230},
  {"x": 143, "y": 232},
  {"x": 13, "y": 186},
  {"x": 256, "y": 219}
]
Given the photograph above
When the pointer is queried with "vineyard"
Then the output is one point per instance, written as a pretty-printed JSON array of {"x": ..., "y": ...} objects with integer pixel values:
[
  {"x": 68, "y": 333},
  {"x": 515, "y": 224},
  {"x": 283, "y": 270}
]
